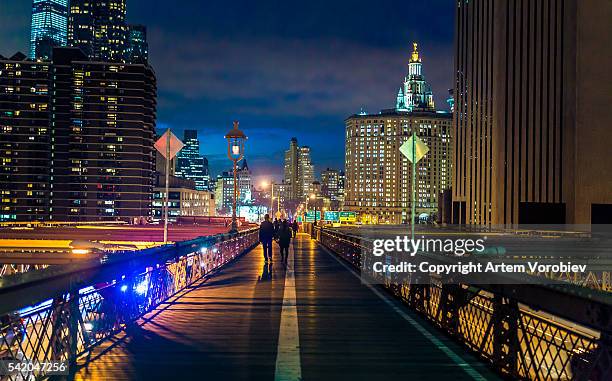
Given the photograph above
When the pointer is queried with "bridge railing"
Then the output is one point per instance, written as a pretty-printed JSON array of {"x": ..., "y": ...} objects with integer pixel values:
[
  {"x": 60, "y": 314},
  {"x": 525, "y": 332}
]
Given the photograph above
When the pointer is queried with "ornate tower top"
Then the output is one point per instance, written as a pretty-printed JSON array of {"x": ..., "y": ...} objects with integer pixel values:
[
  {"x": 415, "y": 53},
  {"x": 415, "y": 94}
]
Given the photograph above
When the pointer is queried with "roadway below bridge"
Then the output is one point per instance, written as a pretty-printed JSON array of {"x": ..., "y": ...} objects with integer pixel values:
[{"x": 312, "y": 319}]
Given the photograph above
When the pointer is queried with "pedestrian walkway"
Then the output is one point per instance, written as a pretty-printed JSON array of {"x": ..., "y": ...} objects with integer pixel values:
[{"x": 310, "y": 320}]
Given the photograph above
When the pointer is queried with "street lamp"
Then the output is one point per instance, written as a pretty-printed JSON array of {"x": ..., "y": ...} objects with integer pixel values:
[
  {"x": 265, "y": 185},
  {"x": 312, "y": 197},
  {"x": 235, "y": 152}
]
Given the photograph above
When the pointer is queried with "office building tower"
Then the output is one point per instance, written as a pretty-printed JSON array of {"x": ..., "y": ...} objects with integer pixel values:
[
  {"x": 190, "y": 164},
  {"x": 88, "y": 135},
  {"x": 99, "y": 29},
  {"x": 378, "y": 177},
  {"x": 298, "y": 171},
  {"x": 49, "y": 27},
  {"x": 138, "y": 48},
  {"x": 532, "y": 113}
]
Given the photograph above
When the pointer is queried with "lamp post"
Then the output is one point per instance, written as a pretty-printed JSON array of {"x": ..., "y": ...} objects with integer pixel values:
[
  {"x": 265, "y": 185},
  {"x": 312, "y": 197},
  {"x": 235, "y": 152}
]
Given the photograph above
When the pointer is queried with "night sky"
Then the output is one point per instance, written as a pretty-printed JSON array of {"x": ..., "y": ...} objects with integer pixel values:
[{"x": 281, "y": 68}]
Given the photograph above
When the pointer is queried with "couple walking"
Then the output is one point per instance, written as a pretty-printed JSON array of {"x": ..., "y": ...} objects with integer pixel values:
[{"x": 267, "y": 233}]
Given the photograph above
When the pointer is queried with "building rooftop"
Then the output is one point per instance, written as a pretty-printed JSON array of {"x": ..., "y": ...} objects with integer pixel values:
[{"x": 394, "y": 112}]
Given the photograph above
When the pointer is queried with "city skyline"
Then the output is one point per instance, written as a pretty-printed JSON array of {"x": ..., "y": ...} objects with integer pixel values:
[{"x": 283, "y": 78}]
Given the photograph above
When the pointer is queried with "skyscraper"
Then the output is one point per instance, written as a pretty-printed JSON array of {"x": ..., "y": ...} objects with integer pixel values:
[
  {"x": 298, "y": 171},
  {"x": 305, "y": 171},
  {"x": 49, "y": 27},
  {"x": 532, "y": 113},
  {"x": 292, "y": 157},
  {"x": 92, "y": 157},
  {"x": 99, "y": 29},
  {"x": 138, "y": 48},
  {"x": 190, "y": 163},
  {"x": 378, "y": 184},
  {"x": 25, "y": 138}
]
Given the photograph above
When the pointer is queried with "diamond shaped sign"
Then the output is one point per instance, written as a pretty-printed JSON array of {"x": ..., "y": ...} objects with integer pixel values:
[
  {"x": 175, "y": 145},
  {"x": 420, "y": 149}
]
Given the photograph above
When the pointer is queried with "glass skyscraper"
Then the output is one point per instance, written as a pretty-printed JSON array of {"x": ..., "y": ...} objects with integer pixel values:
[
  {"x": 49, "y": 27},
  {"x": 138, "y": 49},
  {"x": 190, "y": 163}
]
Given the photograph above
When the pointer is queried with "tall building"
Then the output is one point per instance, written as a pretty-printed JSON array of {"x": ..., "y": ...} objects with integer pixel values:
[
  {"x": 190, "y": 164},
  {"x": 49, "y": 27},
  {"x": 99, "y": 29},
  {"x": 138, "y": 48},
  {"x": 25, "y": 138},
  {"x": 82, "y": 147},
  {"x": 378, "y": 177},
  {"x": 305, "y": 172},
  {"x": 298, "y": 170},
  {"x": 415, "y": 94},
  {"x": 532, "y": 113},
  {"x": 292, "y": 157}
]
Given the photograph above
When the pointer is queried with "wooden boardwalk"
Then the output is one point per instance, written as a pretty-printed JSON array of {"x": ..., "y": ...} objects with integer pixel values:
[{"x": 227, "y": 328}]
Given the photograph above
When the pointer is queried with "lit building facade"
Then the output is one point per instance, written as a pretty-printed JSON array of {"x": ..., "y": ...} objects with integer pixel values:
[
  {"x": 532, "y": 113},
  {"x": 93, "y": 155},
  {"x": 49, "y": 27},
  {"x": 183, "y": 202},
  {"x": 99, "y": 29},
  {"x": 190, "y": 164},
  {"x": 332, "y": 187},
  {"x": 378, "y": 176}
]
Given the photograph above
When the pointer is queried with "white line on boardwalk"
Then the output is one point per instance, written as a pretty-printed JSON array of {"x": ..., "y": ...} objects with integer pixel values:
[
  {"x": 434, "y": 340},
  {"x": 288, "y": 365}
]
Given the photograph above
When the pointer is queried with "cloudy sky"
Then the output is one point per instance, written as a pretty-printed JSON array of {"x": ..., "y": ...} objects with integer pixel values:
[{"x": 282, "y": 68}]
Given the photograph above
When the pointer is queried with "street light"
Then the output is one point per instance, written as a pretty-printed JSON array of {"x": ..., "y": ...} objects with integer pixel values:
[
  {"x": 312, "y": 197},
  {"x": 265, "y": 185},
  {"x": 235, "y": 152}
]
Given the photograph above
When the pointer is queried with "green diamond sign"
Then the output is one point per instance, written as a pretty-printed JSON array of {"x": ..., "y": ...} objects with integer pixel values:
[{"x": 416, "y": 144}]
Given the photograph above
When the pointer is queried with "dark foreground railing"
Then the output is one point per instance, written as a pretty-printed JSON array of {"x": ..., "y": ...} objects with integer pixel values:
[
  {"x": 73, "y": 308},
  {"x": 525, "y": 332}
]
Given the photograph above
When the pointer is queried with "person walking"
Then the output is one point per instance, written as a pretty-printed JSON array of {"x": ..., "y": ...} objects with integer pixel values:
[
  {"x": 276, "y": 227},
  {"x": 284, "y": 239},
  {"x": 266, "y": 235},
  {"x": 295, "y": 227}
]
